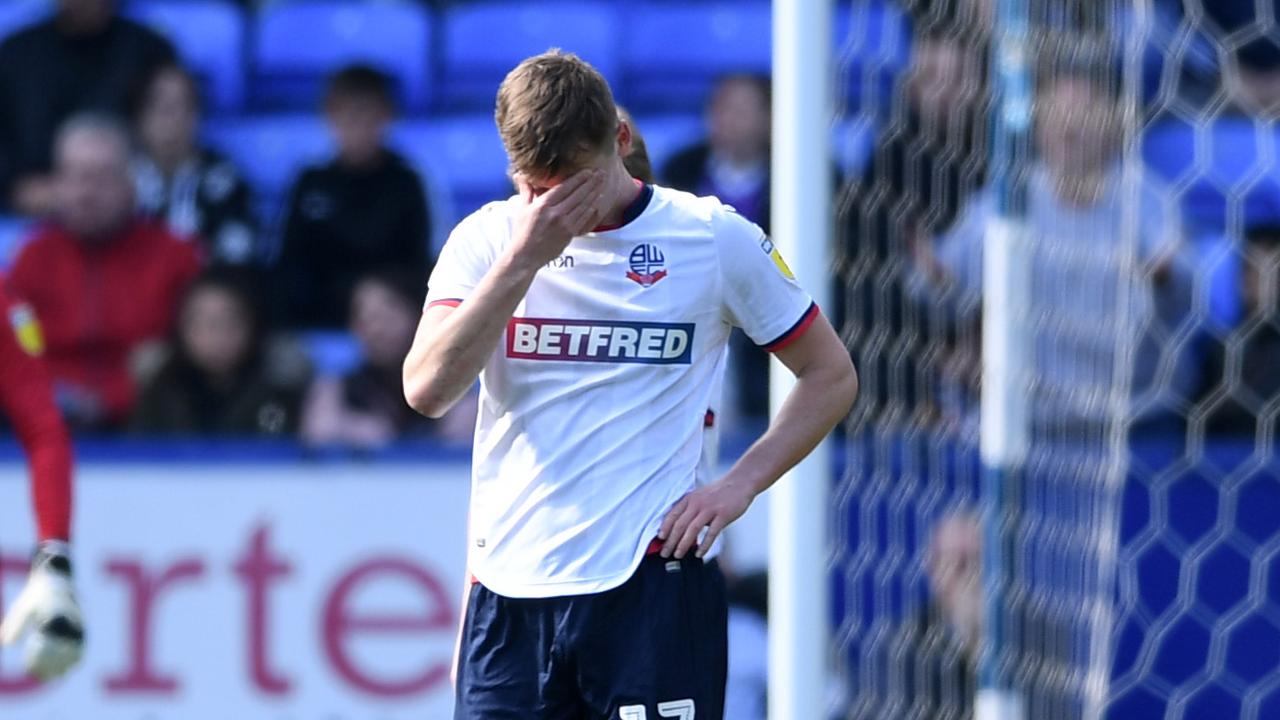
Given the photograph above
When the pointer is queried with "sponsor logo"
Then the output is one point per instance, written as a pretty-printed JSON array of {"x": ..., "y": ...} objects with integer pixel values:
[
  {"x": 648, "y": 265},
  {"x": 26, "y": 329},
  {"x": 595, "y": 341},
  {"x": 564, "y": 262},
  {"x": 772, "y": 251}
]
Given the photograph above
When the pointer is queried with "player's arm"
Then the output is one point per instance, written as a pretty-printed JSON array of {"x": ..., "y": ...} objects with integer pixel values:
[
  {"x": 826, "y": 385},
  {"x": 46, "y": 606},
  {"x": 452, "y": 344}
]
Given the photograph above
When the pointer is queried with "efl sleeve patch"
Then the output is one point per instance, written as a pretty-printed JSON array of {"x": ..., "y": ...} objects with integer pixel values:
[
  {"x": 772, "y": 251},
  {"x": 26, "y": 329}
]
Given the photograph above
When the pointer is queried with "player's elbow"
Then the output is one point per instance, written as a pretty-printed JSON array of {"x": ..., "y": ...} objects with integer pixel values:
[
  {"x": 846, "y": 386},
  {"x": 426, "y": 396}
]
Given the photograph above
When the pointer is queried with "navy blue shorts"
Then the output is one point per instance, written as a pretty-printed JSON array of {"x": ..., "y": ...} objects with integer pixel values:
[{"x": 652, "y": 648}]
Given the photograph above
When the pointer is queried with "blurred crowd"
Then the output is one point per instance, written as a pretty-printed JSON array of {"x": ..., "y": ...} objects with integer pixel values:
[{"x": 167, "y": 307}]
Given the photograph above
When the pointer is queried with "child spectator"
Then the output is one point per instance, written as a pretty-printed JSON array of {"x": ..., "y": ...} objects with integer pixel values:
[
  {"x": 196, "y": 191},
  {"x": 218, "y": 377},
  {"x": 102, "y": 281},
  {"x": 364, "y": 210},
  {"x": 366, "y": 409}
]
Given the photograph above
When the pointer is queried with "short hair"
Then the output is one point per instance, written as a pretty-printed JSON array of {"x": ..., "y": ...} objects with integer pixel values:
[
  {"x": 94, "y": 122},
  {"x": 361, "y": 82},
  {"x": 553, "y": 110}
]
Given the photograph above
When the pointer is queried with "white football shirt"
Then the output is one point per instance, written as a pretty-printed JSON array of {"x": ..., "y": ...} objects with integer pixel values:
[{"x": 593, "y": 405}]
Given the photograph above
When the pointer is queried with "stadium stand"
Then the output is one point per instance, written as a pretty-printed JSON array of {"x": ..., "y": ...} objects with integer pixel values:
[
  {"x": 297, "y": 44},
  {"x": 17, "y": 13},
  {"x": 1233, "y": 157},
  {"x": 674, "y": 52},
  {"x": 484, "y": 40},
  {"x": 463, "y": 153},
  {"x": 210, "y": 37},
  {"x": 270, "y": 150}
]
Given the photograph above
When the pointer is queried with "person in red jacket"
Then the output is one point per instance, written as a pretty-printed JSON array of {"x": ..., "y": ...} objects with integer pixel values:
[
  {"x": 102, "y": 281},
  {"x": 47, "y": 605}
]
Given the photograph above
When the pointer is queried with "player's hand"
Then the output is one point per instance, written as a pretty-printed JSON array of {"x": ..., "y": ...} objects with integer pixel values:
[
  {"x": 547, "y": 222},
  {"x": 712, "y": 507},
  {"x": 46, "y": 612}
]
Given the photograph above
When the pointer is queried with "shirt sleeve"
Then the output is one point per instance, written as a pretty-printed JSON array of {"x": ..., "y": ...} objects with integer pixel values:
[
  {"x": 761, "y": 294},
  {"x": 463, "y": 262},
  {"x": 26, "y": 397}
]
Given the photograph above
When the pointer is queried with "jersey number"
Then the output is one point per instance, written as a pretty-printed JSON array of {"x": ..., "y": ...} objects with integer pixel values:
[{"x": 676, "y": 709}]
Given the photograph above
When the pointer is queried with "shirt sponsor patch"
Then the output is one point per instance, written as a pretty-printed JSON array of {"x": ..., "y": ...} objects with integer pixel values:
[
  {"x": 599, "y": 341},
  {"x": 26, "y": 329},
  {"x": 772, "y": 251}
]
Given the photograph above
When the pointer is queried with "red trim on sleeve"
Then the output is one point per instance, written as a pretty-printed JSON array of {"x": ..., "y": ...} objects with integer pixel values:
[
  {"x": 447, "y": 302},
  {"x": 796, "y": 330}
]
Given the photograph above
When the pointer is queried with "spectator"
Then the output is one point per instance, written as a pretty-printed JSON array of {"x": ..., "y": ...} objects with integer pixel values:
[
  {"x": 733, "y": 162},
  {"x": 733, "y": 165},
  {"x": 85, "y": 57},
  {"x": 101, "y": 281},
  {"x": 1244, "y": 363},
  {"x": 363, "y": 211},
  {"x": 196, "y": 191},
  {"x": 218, "y": 377},
  {"x": 1084, "y": 301},
  {"x": 366, "y": 408},
  {"x": 637, "y": 161}
]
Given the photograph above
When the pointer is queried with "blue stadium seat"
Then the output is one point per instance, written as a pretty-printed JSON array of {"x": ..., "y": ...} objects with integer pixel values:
[
  {"x": 16, "y": 14},
  {"x": 465, "y": 154},
  {"x": 674, "y": 51},
  {"x": 209, "y": 35},
  {"x": 852, "y": 143},
  {"x": 332, "y": 353},
  {"x": 484, "y": 40},
  {"x": 872, "y": 47},
  {"x": 13, "y": 233},
  {"x": 270, "y": 151},
  {"x": 1223, "y": 173},
  {"x": 297, "y": 44},
  {"x": 665, "y": 135}
]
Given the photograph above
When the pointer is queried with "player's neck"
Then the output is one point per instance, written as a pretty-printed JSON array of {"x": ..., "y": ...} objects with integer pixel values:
[{"x": 623, "y": 191}]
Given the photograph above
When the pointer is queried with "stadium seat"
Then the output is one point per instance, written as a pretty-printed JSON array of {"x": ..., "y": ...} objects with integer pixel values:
[
  {"x": 209, "y": 35},
  {"x": 332, "y": 353},
  {"x": 464, "y": 152},
  {"x": 871, "y": 48},
  {"x": 484, "y": 40},
  {"x": 1225, "y": 173},
  {"x": 852, "y": 142},
  {"x": 16, "y": 14},
  {"x": 665, "y": 135},
  {"x": 13, "y": 233},
  {"x": 270, "y": 151},
  {"x": 674, "y": 51},
  {"x": 297, "y": 44}
]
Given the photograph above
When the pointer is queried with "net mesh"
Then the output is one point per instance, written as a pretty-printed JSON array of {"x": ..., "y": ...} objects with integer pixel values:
[{"x": 1140, "y": 530}]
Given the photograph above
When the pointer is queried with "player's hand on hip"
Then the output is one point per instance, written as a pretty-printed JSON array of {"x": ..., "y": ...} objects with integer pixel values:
[
  {"x": 547, "y": 222},
  {"x": 712, "y": 507},
  {"x": 46, "y": 612}
]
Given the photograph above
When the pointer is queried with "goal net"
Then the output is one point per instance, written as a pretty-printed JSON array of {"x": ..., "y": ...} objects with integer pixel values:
[{"x": 1058, "y": 269}]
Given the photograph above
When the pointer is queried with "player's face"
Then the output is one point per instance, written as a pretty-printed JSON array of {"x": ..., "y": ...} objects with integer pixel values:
[
  {"x": 215, "y": 331},
  {"x": 95, "y": 192},
  {"x": 602, "y": 160}
]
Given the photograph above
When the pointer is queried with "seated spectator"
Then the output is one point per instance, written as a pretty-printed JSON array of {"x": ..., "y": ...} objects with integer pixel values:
[
  {"x": 929, "y": 158},
  {"x": 366, "y": 409},
  {"x": 733, "y": 162},
  {"x": 218, "y": 376},
  {"x": 733, "y": 165},
  {"x": 102, "y": 281},
  {"x": 195, "y": 191},
  {"x": 362, "y": 211},
  {"x": 84, "y": 58},
  {"x": 1244, "y": 364},
  {"x": 1085, "y": 302}
]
